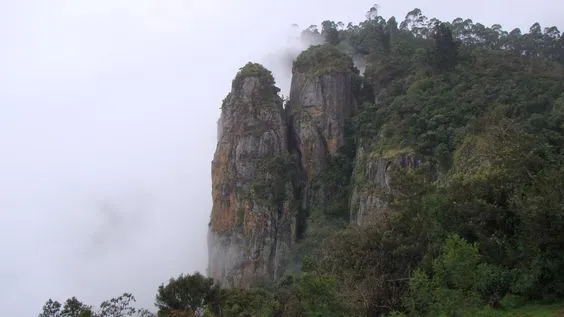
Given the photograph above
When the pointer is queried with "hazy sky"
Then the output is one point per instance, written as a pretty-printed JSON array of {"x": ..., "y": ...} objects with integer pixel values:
[{"x": 108, "y": 127}]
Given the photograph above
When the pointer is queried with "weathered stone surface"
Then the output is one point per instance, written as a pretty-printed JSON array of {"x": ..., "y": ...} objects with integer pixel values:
[
  {"x": 250, "y": 230},
  {"x": 371, "y": 181},
  {"x": 319, "y": 106},
  {"x": 256, "y": 183}
]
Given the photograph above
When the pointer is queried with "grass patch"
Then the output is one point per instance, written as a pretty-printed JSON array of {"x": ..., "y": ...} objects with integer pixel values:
[
  {"x": 531, "y": 310},
  {"x": 552, "y": 310}
]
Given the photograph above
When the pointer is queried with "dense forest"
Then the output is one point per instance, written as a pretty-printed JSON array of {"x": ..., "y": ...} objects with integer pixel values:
[{"x": 476, "y": 229}]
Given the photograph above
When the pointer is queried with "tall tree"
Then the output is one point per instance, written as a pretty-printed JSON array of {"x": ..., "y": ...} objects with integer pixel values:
[
  {"x": 118, "y": 307},
  {"x": 444, "y": 55},
  {"x": 51, "y": 309},
  {"x": 329, "y": 32},
  {"x": 75, "y": 308}
]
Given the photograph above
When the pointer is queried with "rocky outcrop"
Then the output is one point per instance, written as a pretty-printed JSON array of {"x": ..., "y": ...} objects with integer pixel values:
[
  {"x": 266, "y": 161},
  {"x": 252, "y": 223},
  {"x": 319, "y": 107},
  {"x": 321, "y": 100},
  {"x": 371, "y": 179}
]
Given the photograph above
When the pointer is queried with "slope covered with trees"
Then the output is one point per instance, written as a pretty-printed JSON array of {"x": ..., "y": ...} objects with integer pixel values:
[{"x": 476, "y": 227}]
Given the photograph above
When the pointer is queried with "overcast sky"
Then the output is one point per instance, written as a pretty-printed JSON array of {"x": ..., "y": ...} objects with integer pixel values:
[{"x": 108, "y": 127}]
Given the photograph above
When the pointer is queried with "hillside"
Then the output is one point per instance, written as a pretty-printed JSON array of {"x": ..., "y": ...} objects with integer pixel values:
[
  {"x": 431, "y": 182},
  {"x": 417, "y": 169}
]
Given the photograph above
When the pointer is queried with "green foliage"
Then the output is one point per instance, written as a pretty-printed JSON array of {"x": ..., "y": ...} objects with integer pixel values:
[
  {"x": 452, "y": 285},
  {"x": 75, "y": 308},
  {"x": 329, "y": 32},
  {"x": 318, "y": 296},
  {"x": 71, "y": 308},
  {"x": 51, "y": 309},
  {"x": 274, "y": 175},
  {"x": 444, "y": 55},
  {"x": 309, "y": 295},
  {"x": 430, "y": 112},
  {"x": 187, "y": 294},
  {"x": 512, "y": 301},
  {"x": 530, "y": 310},
  {"x": 253, "y": 70},
  {"x": 492, "y": 281},
  {"x": 265, "y": 79},
  {"x": 248, "y": 303},
  {"x": 457, "y": 265},
  {"x": 121, "y": 306},
  {"x": 118, "y": 307},
  {"x": 334, "y": 184},
  {"x": 370, "y": 267},
  {"x": 322, "y": 59}
]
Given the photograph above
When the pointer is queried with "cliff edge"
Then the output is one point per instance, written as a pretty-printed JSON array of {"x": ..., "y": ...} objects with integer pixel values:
[{"x": 251, "y": 224}]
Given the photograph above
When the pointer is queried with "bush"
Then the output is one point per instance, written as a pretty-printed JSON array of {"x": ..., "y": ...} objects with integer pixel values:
[
  {"x": 510, "y": 301},
  {"x": 323, "y": 59}
]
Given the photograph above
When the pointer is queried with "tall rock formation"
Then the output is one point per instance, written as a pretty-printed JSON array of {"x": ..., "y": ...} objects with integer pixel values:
[
  {"x": 252, "y": 224},
  {"x": 321, "y": 100},
  {"x": 267, "y": 160}
]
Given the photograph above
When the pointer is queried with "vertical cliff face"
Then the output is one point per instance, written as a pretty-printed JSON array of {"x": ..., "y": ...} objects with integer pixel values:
[
  {"x": 372, "y": 175},
  {"x": 319, "y": 107},
  {"x": 267, "y": 159},
  {"x": 251, "y": 225},
  {"x": 321, "y": 100}
]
